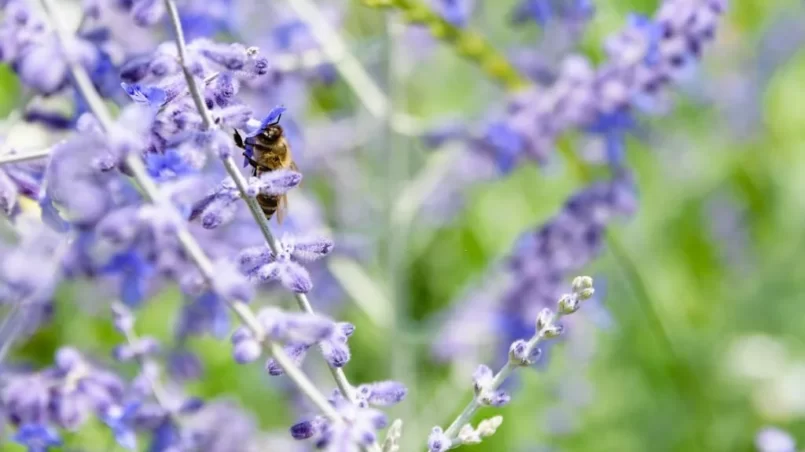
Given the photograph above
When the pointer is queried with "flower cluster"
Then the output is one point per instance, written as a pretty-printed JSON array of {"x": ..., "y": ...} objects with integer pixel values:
[
  {"x": 364, "y": 421},
  {"x": 647, "y": 55}
]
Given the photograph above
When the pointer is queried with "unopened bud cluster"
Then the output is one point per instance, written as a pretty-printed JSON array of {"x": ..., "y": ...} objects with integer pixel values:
[
  {"x": 526, "y": 353},
  {"x": 487, "y": 427}
]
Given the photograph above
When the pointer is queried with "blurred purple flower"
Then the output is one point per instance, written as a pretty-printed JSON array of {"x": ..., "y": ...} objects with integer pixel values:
[{"x": 261, "y": 264}]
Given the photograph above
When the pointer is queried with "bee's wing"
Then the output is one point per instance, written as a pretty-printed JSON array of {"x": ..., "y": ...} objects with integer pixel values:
[{"x": 282, "y": 207}]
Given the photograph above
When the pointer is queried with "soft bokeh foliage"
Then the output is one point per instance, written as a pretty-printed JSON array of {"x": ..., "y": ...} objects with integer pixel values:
[{"x": 694, "y": 338}]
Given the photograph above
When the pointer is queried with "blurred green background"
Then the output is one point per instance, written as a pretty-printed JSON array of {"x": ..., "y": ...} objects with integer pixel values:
[{"x": 706, "y": 343}]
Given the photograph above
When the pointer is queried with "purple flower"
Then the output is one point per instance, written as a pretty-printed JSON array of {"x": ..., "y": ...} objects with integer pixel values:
[
  {"x": 343, "y": 436},
  {"x": 382, "y": 393},
  {"x": 37, "y": 437},
  {"x": 296, "y": 352},
  {"x": 218, "y": 206},
  {"x": 151, "y": 95},
  {"x": 544, "y": 11},
  {"x": 438, "y": 441},
  {"x": 482, "y": 378},
  {"x": 274, "y": 183},
  {"x": 140, "y": 348},
  {"x": 147, "y": 12},
  {"x": 261, "y": 264},
  {"x": 26, "y": 398},
  {"x": 230, "y": 284},
  {"x": 167, "y": 165},
  {"x": 456, "y": 12},
  {"x": 205, "y": 313},
  {"x": 295, "y": 328},
  {"x": 334, "y": 348},
  {"x": 245, "y": 348},
  {"x": 120, "y": 420}
]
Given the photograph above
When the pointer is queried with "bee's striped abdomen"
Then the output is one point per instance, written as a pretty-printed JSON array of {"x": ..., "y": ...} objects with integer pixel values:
[{"x": 268, "y": 204}]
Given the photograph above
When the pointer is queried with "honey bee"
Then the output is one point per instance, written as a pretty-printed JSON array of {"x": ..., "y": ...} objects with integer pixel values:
[{"x": 268, "y": 150}]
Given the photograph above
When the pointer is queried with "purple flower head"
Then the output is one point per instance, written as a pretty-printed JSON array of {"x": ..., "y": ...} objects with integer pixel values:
[
  {"x": 223, "y": 90},
  {"x": 184, "y": 365},
  {"x": 237, "y": 116},
  {"x": 296, "y": 352},
  {"x": 218, "y": 207},
  {"x": 142, "y": 347},
  {"x": 275, "y": 183},
  {"x": 482, "y": 378},
  {"x": 25, "y": 399},
  {"x": 520, "y": 354},
  {"x": 360, "y": 431},
  {"x": 28, "y": 271},
  {"x": 135, "y": 273},
  {"x": 168, "y": 165},
  {"x": 43, "y": 66},
  {"x": 382, "y": 393},
  {"x": 456, "y": 12},
  {"x": 120, "y": 419},
  {"x": 232, "y": 57},
  {"x": 202, "y": 314},
  {"x": 334, "y": 348},
  {"x": 261, "y": 264},
  {"x": 230, "y": 284},
  {"x": 507, "y": 144},
  {"x": 295, "y": 328},
  {"x": 438, "y": 441},
  {"x": 544, "y": 11},
  {"x": 147, "y": 12},
  {"x": 37, "y": 437},
  {"x": 245, "y": 348},
  {"x": 150, "y": 95}
]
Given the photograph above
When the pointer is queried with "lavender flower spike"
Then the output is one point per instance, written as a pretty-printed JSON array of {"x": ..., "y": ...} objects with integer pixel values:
[
  {"x": 487, "y": 385},
  {"x": 274, "y": 183}
]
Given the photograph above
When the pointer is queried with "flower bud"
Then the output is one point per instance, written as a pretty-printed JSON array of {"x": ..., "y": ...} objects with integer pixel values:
[
  {"x": 582, "y": 282},
  {"x": 552, "y": 331},
  {"x": 586, "y": 294},
  {"x": 544, "y": 319},
  {"x": 569, "y": 304}
]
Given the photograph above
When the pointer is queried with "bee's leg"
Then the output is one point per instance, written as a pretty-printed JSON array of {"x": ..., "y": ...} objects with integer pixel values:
[
  {"x": 238, "y": 140},
  {"x": 253, "y": 163}
]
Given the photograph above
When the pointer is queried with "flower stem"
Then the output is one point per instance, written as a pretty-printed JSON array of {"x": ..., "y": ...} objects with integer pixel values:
[
  {"x": 468, "y": 44},
  {"x": 466, "y": 415},
  {"x": 187, "y": 241}
]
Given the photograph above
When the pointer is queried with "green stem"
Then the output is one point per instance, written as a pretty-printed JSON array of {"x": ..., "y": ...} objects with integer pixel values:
[{"x": 468, "y": 44}]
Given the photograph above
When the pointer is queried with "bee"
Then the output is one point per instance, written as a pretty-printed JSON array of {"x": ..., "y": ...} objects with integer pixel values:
[{"x": 268, "y": 150}]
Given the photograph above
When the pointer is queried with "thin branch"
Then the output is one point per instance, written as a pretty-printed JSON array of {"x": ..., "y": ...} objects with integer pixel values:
[
  {"x": 25, "y": 156},
  {"x": 188, "y": 243}
]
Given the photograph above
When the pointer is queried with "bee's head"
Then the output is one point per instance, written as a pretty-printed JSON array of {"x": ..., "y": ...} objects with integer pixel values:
[{"x": 273, "y": 132}]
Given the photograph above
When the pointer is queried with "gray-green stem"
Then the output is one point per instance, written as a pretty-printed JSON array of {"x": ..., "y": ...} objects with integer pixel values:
[
  {"x": 152, "y": 194},
  {"x": 466, "y": 415}
]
